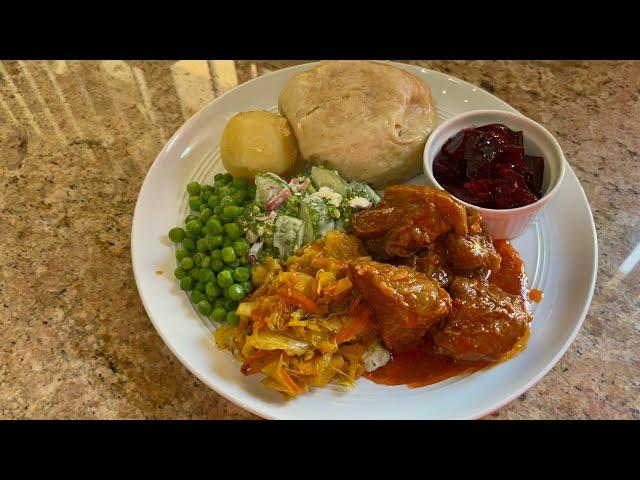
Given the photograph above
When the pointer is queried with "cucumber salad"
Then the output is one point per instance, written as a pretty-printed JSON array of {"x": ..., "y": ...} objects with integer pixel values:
[{"x": 284, "y": 216}]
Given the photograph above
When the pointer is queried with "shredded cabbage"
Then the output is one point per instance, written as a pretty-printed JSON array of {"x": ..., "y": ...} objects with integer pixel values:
[{"x": 305, "y": 325}]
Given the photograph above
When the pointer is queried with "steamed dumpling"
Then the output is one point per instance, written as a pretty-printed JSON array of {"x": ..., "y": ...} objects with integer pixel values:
[{"x": 367, "y": 120}]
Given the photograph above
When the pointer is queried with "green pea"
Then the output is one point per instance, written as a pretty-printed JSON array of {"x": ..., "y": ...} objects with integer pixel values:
[
  {"x": 227, "y": 177},
  {"x": 194, "y": 203},
  {"x": 193, "y": 188},
  {"x": 214, "y": 226},
  {"x": 220, "y": 302},
  {"x": 204, "y": 307},
  {"x": 218, "y": 210},
  {"x": 233, "y": 265},
  {"x": 248, "y": 287},
  {"x": 232, "y": 318},
  {"x": 241, "y": 274},
  {"x": 201, "y": 245},
  {"x": 205, "y": 213},
  {"x": 190, "y": 217},
  {"x": 239, "y": 183},
  {"x": 198, "y": 258},
  {"x": 176, "y": 234},
  {"x": 218, "y": 184},
  {"x": 207, "y": 188},
  {"x": 231, "y": 305},
  {"x": 225, "y": 278},
  {"x": 217, "y": 265},
  {"x": 189, "y": 244},
  {"x": 206, "y": 262},
  {"x": 219, "y": 314},
  {"x": 227, "y": 201},
  {"x": 225, "y": 293},
  {"x": 214, "y": 241},
  {"x": 243, "y": 261},
  {"x": 241, "y": 246},
  {"x": 201, "y": 287},
  {"x": 233, "y": 211},
  {"x": 228, "y": 254},
  {"x": 194, "y": 273},
  {"x": 236, "y": 292},
  {"x": 196, "y": 296},
  {"x": 181, "y": 253},
  {"x": 216, "y": 254},
  {"x": 179, "y": 273},
  {"x": 213, "y": 201},
  {"x": 186, "y": 284},
  {"x": 205, "y": 195},
  {"x": 227, "y": 190},
  {"x": 194, "y": 226},
  {"x": 187, "y": 263},
  {"x": 227, "y": 242},
  {"x": 233, "y": 231},
  {"x": 213, "y": 290},
  {"x": 240, "y": 196},
  {"x": 333, "y": 211},
  {"x": 225, "y": 218},
  {"x": 206, "y": 275}
]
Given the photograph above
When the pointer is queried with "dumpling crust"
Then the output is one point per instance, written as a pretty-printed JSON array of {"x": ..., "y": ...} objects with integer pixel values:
[{"x": 367, "y": 120}]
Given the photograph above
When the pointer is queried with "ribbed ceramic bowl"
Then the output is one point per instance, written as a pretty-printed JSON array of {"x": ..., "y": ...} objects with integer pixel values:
[{"x": 511, "y": 222}]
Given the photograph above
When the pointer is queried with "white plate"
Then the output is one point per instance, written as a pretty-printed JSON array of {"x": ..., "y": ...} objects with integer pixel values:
[{"x": 560, "y": 252}]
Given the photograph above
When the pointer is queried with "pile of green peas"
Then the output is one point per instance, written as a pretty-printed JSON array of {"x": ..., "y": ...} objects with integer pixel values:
[{"x": 213, "y": 263}]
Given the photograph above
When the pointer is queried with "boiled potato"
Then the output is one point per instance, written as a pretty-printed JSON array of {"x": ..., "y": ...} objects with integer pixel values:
[{"x": 258, "y": 141}]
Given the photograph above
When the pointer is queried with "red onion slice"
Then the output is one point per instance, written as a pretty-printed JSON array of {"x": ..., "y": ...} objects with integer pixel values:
[
  {"x": 278, "y": 200},
  {"x": 296, "y": 185},
  {"x": 304, "y": 185},
  {"x": 251, "y": 237},
  {"x": 254, "y": 252}
]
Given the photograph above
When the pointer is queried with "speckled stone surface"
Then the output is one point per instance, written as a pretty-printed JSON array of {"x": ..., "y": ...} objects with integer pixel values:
[{"x": 76, "y": 139}]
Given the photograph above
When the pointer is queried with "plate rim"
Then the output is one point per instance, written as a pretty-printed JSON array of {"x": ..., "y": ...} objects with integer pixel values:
[{"x": 407, "y": 67}]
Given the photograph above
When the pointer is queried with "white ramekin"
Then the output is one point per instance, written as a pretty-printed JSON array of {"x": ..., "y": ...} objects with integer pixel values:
[{"x": 511, "y": 222}]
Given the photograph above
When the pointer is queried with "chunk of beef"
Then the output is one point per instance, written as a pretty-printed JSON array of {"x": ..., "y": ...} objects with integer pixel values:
[
  {"x": 432, "y": 261},
  {"x": 409, "y": 217},
  {"x": 484, "y": 324},
  {"x": 468, "y": 253},
  {"x": 406, "y": 302}
]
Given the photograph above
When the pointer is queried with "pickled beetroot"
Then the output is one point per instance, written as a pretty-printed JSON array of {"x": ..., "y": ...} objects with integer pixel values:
[{"x": 486, "y": 166}]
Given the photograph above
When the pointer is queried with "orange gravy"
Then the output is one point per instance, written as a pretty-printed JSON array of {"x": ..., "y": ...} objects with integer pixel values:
[
  {"x": 418, "y": 365},
  {"x": 511, "y": 276},
  {"x": 535, "y": 295}
]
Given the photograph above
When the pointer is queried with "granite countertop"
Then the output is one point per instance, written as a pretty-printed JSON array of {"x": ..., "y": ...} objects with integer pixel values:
[{"x": 76, "y": 139}]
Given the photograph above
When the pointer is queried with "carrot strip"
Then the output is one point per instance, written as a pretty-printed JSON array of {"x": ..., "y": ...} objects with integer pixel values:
[
  {"x": 358, "y": 323},
  {"x": 354, "y": 305},
  {"x": 290, "y": 383},
  {"x": 258, "y": 361},
  {"x": 259, "y": 324},
  {"x": 299, "y": 298}
]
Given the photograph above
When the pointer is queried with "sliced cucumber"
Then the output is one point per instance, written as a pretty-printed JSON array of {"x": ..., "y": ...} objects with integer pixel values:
[
  {"x": 323, "y": 177},
  {"x": 288, "y": 235}
]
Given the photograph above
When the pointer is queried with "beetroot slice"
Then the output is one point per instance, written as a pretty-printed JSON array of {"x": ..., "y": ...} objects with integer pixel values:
[
  {"x": 514, "y": 138},
  {"x": 535, "y": 165},
  {"x": 487, "y": 166},
  {"x": 454, "y": 146}
]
